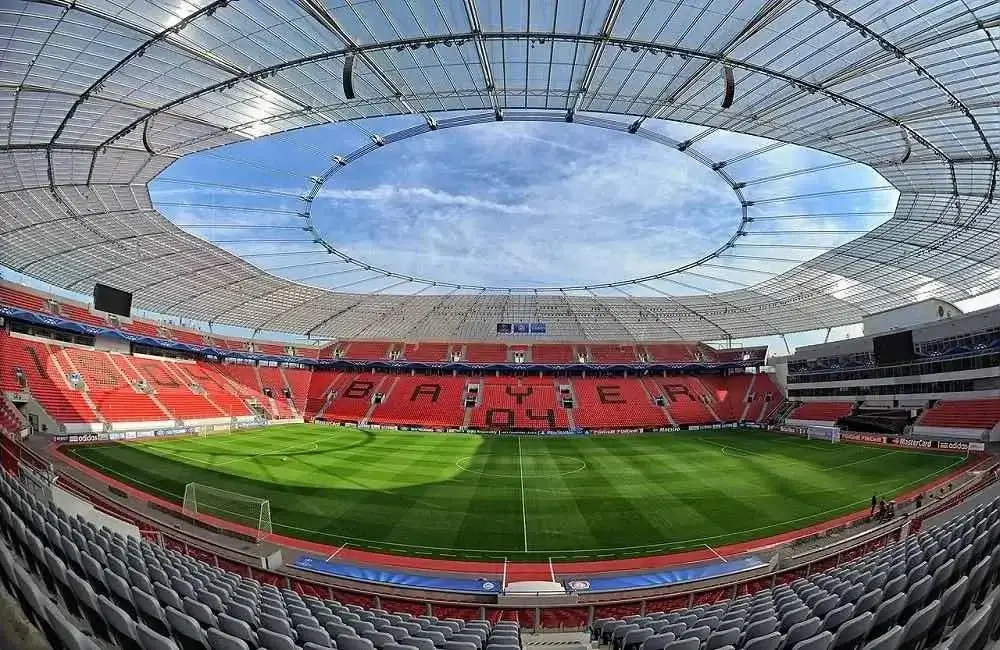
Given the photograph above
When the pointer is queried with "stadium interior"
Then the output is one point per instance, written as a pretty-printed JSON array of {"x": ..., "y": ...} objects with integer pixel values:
[{"x": 243, "y": 413}]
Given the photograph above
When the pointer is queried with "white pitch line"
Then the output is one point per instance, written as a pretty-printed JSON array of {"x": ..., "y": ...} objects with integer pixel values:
[
  {"x": 716, "y": 553},
  {"x": 337, "y": 552},
  {"x": 524, "y": 515}
]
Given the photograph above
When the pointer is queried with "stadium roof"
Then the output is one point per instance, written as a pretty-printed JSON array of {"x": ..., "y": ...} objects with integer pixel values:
[{"x": 100, "y": 96}]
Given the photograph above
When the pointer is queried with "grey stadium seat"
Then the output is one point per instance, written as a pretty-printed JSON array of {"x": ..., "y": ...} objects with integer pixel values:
[
  {"x": 888, "y": 641},
  {"x": 684, "y": 644},
  {"x": 313, "y": 634},
  {"x": 919, "y": 624},
  {"x": 853, "y": 632},
  {"x": 819, "y": 642},
  {"x": 720, "y": 639},
  {"x": 802, "y": 631},
  {"x": 219, "y": 640},
  {"x": 150, "y": 640},
  {"x": 270, "y": 640},
  {"x": 657, "y": 641},
  {"x": 186, "y": 631},
  {"x": 345, "y": 642},
  {"x": 120, "y": 624},
  {"x": 239, "y": 628},
  {"x": 768, "y": 642}
]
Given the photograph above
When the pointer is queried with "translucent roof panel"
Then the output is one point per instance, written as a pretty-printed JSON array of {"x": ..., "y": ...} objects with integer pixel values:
[{"x": 99, "y": 97}]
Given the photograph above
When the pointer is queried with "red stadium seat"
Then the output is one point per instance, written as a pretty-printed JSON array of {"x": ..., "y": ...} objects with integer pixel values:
[
  {"x": 963, "y": 414},
  {"x": 426, "y": 351},
  {"x": 486, "y": 353},
  {"x": 613, "y": 403},
  {"x": 508, "y": 403},
  {"x": 822, "y": 411},
  {"x": 425, "y": 401}
]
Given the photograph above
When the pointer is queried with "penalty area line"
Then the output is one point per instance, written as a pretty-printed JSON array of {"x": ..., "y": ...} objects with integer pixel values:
[{"x": 716, "y": 553}]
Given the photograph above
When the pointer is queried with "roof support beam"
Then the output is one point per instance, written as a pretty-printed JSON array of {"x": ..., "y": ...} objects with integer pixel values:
[
  {"x": 476, "y": 29},
  {"x": 867, "y": 32},
  {"x": 603, "y": 37},
  {"x": 805, "y": 86},
  {"x": 318, "y": 12}
]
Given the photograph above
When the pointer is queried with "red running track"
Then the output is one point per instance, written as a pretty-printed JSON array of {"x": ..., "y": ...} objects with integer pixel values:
[{"x": 515, "y": 571}]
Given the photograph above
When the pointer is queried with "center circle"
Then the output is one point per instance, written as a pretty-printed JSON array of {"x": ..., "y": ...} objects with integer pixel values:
[
  {"x": 522, "y": 466},
  {"x": 621, "y": 206}
]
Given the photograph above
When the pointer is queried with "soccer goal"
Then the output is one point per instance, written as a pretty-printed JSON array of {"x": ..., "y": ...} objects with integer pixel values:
[
  {"x": 823, "y": 433},
  {"x": 253, "y": 512}
]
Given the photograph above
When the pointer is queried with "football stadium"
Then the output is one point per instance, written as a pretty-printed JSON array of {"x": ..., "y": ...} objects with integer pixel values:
[{"x": 499, "y": 325}]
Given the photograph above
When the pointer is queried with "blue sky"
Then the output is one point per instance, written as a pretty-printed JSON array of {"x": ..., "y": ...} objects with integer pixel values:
[{"x": 516, "y": 204}]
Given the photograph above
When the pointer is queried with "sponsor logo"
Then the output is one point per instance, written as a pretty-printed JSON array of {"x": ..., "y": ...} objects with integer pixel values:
[
  {"x": 863, "y": 437},
  {"x": 489, "y": 586},
  {"x": 911, "y": 442},
  {"x": 579, "y": 585},
  {"x": 93, "y": 437}
]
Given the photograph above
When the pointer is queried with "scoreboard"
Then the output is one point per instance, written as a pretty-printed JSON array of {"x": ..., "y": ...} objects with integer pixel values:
[{"x": 521, "y": 328}]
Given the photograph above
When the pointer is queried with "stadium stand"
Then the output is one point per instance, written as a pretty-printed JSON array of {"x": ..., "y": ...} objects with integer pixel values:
[
  {"x": 822, "y": 411},
  {"x": 32, "y": 361},
  {"x": 353, "y": 400},
  {"x": 554, "y": 353},
  {"x": 600, "y": 401},
  {"x": 671, "y": 352},
  {"x": 82, "y": 585},
  {"x": 174, "y": 391},
  {"x": 485, "y": 353},
  {"x": 964, "y": 414},
  {"x": 16, "y": 297},
  {"x": 362, "y": 349},
  {"x": 618, "y": 353},
  {"x": 208, "y": 378},
  {"x": 686, "y": 398},
  {"x": 524, "y": 403},
  {"x": 11, "y": 420},
  {"x": 426, "y": 351},
  {"x": 424, "y": 401}
]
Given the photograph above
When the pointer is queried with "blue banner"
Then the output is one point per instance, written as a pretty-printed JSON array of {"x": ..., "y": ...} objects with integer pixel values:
[
  {"x": 484, "y": 585},
  {"x": 665, "y": 577}
]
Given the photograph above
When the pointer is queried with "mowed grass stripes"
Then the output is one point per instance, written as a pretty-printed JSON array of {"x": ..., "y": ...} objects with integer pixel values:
[{"x": 529, "y": 498}]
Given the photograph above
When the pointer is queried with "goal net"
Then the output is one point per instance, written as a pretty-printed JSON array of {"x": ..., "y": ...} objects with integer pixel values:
[
  {"x": 823, "y": 433},
  {"x": 253, "y": 512}
]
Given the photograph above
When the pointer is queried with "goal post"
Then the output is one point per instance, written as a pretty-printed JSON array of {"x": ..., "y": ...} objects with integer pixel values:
[
  {"x": 252, "y": 512},
  {"x": 823, "y": 433}
]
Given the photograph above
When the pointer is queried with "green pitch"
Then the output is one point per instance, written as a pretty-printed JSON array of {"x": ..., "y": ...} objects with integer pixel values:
[{"x": 530, "y": 498}]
